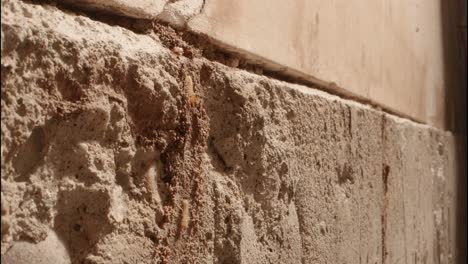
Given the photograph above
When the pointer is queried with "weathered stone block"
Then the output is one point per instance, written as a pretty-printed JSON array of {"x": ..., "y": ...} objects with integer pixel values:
[{"x": 107, "y": 142}]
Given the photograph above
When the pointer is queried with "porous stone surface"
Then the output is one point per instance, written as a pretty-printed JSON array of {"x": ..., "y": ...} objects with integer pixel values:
[
  {"x": 50, "y": 250},
  {"x": 175, "y": 12},
  {"x": 178, "y": 13},
  {"x": 411, "y": 217},
  {"x": 124, "y": 151},
  {"x": 143, "y": 9}
]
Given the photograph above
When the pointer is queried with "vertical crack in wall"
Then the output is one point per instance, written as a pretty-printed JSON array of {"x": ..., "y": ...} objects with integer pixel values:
[
  {"x": 385, "y": 175},
  {"x": 404, "y": 217}
]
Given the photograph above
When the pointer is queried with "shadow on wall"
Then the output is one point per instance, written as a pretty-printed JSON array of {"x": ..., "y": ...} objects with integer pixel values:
[{"x": 456, "y": 81}]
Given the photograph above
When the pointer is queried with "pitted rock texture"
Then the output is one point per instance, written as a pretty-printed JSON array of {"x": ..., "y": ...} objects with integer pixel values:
[
  {"x": 115, "y": 149},
  {"x": 175, "y": 12},
  {"x": 144, "y": 9}
]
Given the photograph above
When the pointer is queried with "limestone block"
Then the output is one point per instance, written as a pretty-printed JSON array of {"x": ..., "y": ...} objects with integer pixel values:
[
  {"x": 143, "y": 9},
  {"x": 338, "y": 195},
  {"x": 390, "y": 52},
  {"x": 176, "y": 13},
  {"x": 51, "y": 250},
  {"x": 417, "y": 197}
]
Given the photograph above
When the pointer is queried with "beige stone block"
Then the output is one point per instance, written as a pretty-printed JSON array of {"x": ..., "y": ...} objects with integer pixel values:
[
  {"x": 50, "y": 250},
  {"x": 387, "y": 52},
  {"x": 145, "y": 9},
  {"x": 393, "y": 216},
  {"x": 176, "y": 13},
  {"x": 417, "y": 203},
  {"x": 339, "y": 193}
]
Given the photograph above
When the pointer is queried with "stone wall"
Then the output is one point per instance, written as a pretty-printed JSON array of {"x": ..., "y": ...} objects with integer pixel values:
[{"x": 124, "y": 143}]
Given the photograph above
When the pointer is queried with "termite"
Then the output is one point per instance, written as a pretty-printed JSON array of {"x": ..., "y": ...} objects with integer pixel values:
[
  {"x": 185, "y": 219},
  {"x": 178, "y": 51},
  {"x": 188, "y": 83}
]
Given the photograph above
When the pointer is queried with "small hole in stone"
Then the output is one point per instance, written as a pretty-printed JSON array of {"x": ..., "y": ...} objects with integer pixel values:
[
  {"x": 152, "y": 237},
  {"x": 322, "y": 230},
  {"x": 77, "y": 227},
  {"x": 440, "y": 149}
]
